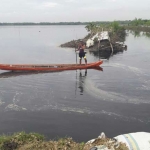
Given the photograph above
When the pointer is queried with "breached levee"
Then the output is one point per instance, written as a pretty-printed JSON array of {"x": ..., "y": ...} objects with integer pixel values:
[{"x": 99, "y": 41}]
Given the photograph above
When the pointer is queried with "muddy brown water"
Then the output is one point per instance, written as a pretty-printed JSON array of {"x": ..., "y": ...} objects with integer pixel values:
[{"x": 81, "y": 103}]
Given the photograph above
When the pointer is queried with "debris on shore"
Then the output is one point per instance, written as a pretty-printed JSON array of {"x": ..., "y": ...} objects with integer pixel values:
[{"x": 103, "y": 42}]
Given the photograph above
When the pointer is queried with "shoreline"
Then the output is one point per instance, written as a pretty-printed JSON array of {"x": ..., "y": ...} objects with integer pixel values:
[
  {"x": 70, "y": 126},
  {"x": 36, "y": 141}
]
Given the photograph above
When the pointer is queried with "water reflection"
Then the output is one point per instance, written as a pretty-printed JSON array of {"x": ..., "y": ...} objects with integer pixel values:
[
  {"x": 25, "y": 73},
  {"x": 147, "y": 34},
  {"x": 107, "y": 48},
  {"x": 101, "y": 54},
  {"x": 82, "y": 78},
  {"x": 16, "y": 74},
  {"x": 137, "y": 33},
  {"x": 106, "y": 54}
]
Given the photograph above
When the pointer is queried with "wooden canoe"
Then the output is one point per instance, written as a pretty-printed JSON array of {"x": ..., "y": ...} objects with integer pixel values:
[{"x": 48, "y": 67}]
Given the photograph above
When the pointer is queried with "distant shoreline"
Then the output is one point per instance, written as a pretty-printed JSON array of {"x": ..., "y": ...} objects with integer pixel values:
[
  {"x": 36, "y": 24},
  {"x": 58, "y": 23}
]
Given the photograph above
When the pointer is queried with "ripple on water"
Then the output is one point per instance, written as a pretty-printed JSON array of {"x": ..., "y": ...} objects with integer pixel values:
[{"x": 35, "y": 91}]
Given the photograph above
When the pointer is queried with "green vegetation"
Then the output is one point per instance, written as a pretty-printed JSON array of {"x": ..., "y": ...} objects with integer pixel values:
[
  {"x": 138, "y": 25},
  {"x": 117, "y": 29},
  {"x": 90, "y": 27},
  {"x": 113, "y": 27},
  {"x": 34, "y": 141},
  {"x": 60, "y": 23},
  {"x": 140, "y": 22},
  {"x": 16, "y": 140},
  {"x": 116, "y": 32}
]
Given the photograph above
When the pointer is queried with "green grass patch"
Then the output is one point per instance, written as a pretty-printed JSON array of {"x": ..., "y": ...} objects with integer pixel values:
[{"x": 35, "y": 141}]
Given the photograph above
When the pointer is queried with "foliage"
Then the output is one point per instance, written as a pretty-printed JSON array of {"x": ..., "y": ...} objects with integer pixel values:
[
  {"x": 111, "y": 27},
  {"x": 139, "y": 22},
  {"x": 17, "y": 139},
  {"x": 34, "y": 141},
  {"x": 115, "y": 26},
  {"x": 90, "y": 27}
]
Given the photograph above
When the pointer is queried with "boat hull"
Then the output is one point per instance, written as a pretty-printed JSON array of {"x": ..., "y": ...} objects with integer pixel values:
[{"x": 49, "y": 67}]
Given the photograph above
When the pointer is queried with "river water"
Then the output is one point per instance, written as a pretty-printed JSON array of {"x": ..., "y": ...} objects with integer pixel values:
[{"x": 81, "y": 103}]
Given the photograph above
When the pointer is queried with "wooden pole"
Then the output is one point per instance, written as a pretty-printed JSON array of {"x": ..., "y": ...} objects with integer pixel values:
[{"x": 75, "y": 52}]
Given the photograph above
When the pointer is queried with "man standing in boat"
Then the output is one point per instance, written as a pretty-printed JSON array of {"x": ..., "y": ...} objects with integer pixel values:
[{"x": 81, "y": 48}]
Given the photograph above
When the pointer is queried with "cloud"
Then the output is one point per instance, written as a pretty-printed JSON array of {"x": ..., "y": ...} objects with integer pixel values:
[
  {"x": 49, "y": 4},
  {"x": 72, "y": 10},
  {"x": 70, "y": 1}
]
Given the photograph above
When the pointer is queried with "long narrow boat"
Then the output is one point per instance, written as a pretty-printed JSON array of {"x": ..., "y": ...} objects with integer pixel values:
[{"x": 48, "y": 67}]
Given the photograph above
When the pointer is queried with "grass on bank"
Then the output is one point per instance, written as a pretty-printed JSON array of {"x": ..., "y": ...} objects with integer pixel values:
[{"x": 35, "y": 141}]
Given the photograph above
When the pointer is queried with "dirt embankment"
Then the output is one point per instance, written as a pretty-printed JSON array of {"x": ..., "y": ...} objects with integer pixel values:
[{"x": 74, "y": 43}]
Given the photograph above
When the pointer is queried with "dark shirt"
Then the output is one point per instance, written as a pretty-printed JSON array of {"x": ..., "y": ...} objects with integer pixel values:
[{"x": 81, "y": 49}]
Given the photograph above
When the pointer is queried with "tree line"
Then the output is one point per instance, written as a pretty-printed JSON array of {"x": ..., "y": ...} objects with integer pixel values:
[
  {"x": 140, "y": 22},
  {"x": 112, "y": 27},
  {"x": 134, "y": 22},
  {"x": 60, "y": 23}
]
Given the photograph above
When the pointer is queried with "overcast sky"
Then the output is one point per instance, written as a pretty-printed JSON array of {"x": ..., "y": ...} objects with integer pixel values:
[{"x": 72, "y": 10}]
